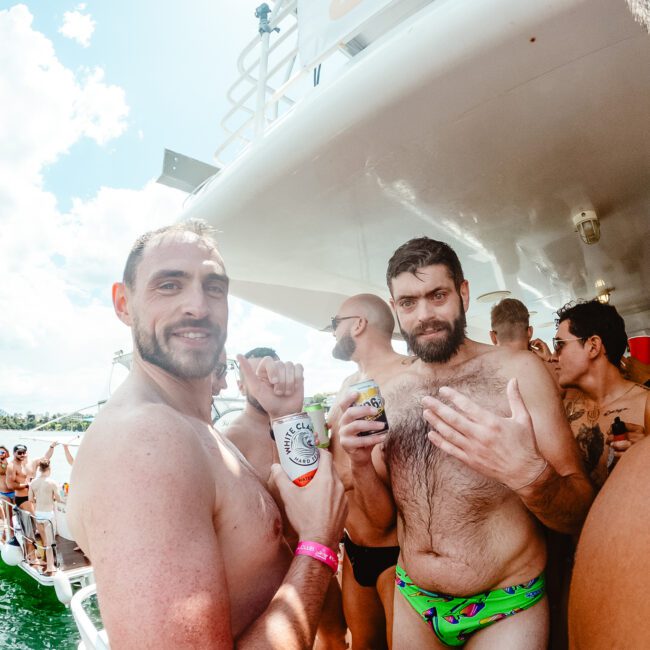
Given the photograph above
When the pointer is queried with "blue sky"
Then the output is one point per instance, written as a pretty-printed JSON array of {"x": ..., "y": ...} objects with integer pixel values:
[{"x": 90, "y": 95}]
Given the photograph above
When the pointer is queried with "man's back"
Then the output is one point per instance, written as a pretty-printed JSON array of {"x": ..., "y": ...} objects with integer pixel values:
[{"x": 44, "y": 490}]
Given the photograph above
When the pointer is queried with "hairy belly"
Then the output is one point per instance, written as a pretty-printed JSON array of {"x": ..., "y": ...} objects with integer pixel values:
[{"x": 464, "y": 541}]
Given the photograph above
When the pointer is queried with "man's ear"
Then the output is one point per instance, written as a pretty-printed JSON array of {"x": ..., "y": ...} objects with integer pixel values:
[
  {"x": 120, "y": 303},
  {"x": 464, "y": 294},
  {"x": 493, "y": 337},
  {"x": 530, "y": 332},
  {"x": 595, "y": 346},
  {"x": 360, "y": 327}
]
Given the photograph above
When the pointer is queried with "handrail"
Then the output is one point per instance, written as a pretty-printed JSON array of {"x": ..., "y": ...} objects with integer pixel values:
[
  {"x": 93, "y": 639},
  {"x": 256, "y": 117}
]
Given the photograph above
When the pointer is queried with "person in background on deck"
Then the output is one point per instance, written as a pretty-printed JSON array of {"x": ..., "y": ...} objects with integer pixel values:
[
  {"x": 43, "y": 493},
  {"x": 589, "y": 344},
  {"x": 251, "y": 433},
  {"x": 20, "y": 472},
  {"x": 363, "y": 328},
  {"x": 510, "y": 324},
  {"x": 230, "y": 578},
  {"x": 6, "y": 495}
]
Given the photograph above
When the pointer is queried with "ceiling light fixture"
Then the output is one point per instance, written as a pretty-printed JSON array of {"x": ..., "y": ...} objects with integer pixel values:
[
  {"x": 493, "y": 296},
  {"x": 588, "y": 225}
]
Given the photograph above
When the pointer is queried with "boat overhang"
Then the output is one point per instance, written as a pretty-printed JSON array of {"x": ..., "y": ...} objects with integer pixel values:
[{"x": 484, "y": 123}]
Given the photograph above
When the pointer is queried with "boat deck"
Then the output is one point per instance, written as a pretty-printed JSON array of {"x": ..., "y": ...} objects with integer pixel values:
[{"x": 68, "y": 557}]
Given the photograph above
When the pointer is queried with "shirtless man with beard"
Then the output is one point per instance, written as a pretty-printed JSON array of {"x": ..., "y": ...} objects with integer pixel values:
[
  {"x": 216, "y": 572},
  {"x": 479, "y": 452},
  {"x": 363, "y": 329}
]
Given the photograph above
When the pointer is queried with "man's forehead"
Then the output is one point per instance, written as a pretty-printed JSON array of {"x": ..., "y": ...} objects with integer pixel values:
[
  {"x": 177, "y": 249},
  {"x": 424, "y": 277},
  {"x": 563, "y": 328}
]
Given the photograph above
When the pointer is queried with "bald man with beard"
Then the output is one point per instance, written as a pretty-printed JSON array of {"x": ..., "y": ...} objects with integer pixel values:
[{"x": 363, "y": 328}]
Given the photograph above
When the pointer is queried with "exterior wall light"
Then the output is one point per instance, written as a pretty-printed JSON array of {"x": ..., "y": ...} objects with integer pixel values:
[{"x": 588, "y": 225}]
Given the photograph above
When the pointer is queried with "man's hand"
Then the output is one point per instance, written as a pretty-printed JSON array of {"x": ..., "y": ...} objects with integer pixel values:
[
  {"x": 277, "y": 385},
  {"x": 501, "y": 448},
  {"x": 318, "y": 510},
  {"x": 635, "y": 433},
  {"x": 540, "y": 349},
  {"x": 352, "y": 423}
]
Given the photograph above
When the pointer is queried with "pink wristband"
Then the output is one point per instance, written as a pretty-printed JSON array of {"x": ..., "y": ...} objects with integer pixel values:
[{"x": 319, "y": 552}]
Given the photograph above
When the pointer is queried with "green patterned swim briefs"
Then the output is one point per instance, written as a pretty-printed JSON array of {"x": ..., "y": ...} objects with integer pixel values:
[{"x": 453, "y": 619}]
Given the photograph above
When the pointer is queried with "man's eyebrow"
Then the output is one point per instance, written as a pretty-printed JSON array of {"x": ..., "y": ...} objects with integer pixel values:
[
  {"x": 418, "y": 295},
  {"x": 167, "y": 273},
  {"x": 218, "y": 277}
]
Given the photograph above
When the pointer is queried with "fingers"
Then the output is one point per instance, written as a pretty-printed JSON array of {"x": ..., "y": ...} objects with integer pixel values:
[
  {"x": 466, "y": 415},
  {"x": 447, "y": 447},
  {"x": 444, "y": 431},
  {"x": 517, "y": 406}
]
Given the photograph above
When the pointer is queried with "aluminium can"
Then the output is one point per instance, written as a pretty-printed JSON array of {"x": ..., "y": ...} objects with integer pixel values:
[
  {"x": 317, "y": 414},
  {"x": 369, "y": 395},
  {"x": 294, "y": 437}
]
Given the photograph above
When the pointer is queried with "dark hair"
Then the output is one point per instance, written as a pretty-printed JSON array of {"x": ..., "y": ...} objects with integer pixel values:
[
  {"x": 260, "y": 353},
  {"x": 509, "y": 318},
  {"x": 594, "y": 318},
  {"x": 420, "y": 252},
  {"x": 197, "y": 226},
  {"x": 44, "y": 465}
]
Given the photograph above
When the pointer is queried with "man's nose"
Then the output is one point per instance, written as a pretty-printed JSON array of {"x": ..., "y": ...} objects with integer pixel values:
[
  {"x": 424, "y": 311},
  {"x": 195, "y": 301}
]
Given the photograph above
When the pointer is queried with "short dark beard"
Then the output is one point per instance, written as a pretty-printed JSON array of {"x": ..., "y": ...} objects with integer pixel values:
[
  {"x": 198, "y": 367},
  {"x": 344, "y": 349},
  {"x": 437, "y": 351}
]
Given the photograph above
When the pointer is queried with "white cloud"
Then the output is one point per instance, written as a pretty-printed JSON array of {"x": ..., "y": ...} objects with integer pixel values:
[
  {"x": 46, "y": 108},
  {"x": 77, "y": 26},
  {"x": 58, "y": 328}
]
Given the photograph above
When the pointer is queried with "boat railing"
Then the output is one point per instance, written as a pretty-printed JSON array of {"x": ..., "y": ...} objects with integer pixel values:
[
  {"x": 27, "y": 524},
  {"x": 265, "y": 69},
  {"x": 92, "y": 638}
]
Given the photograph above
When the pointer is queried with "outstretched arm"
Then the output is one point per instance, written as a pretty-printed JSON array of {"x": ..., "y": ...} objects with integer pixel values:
[
  {"x": 532, "y": 452},
  {"x": 68, "y": 456}
]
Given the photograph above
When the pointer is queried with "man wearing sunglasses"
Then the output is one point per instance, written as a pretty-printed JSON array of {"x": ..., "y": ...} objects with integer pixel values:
[
  {"x": 20, "y": 472},
  {"x": 589, "y": 345},
  {"x": 363, "y": 328}
]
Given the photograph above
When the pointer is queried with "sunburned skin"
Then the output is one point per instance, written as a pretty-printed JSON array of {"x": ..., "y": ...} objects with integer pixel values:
[{"x": 460, "y": 532}]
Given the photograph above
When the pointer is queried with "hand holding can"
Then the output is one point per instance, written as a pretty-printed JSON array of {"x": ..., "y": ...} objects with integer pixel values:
[
  {"x": 369, "y": 395},
  {"x": 317, "y": 511},
  {"x": 294, "y": 437}
]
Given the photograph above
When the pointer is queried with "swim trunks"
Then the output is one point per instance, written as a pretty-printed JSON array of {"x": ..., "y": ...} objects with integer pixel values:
[
  {"x": 20, "y": 500},
  {"x": 9, "y": 495},
  {"x": 454, "y": 620},
  {"x": 44, "y": 515},
  {"x": 369, "y": 562}
]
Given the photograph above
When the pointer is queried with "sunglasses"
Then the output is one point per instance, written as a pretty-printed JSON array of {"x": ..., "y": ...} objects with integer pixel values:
[
  {"x": 220, "y": 370},
  {"x": 336, "y": 320},
  {"x": 558, "y": 344},
  {"x": 20, "y": 453}
]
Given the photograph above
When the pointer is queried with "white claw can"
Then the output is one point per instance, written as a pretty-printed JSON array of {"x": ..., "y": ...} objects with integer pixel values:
[{"x": 294, "y": 437}]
